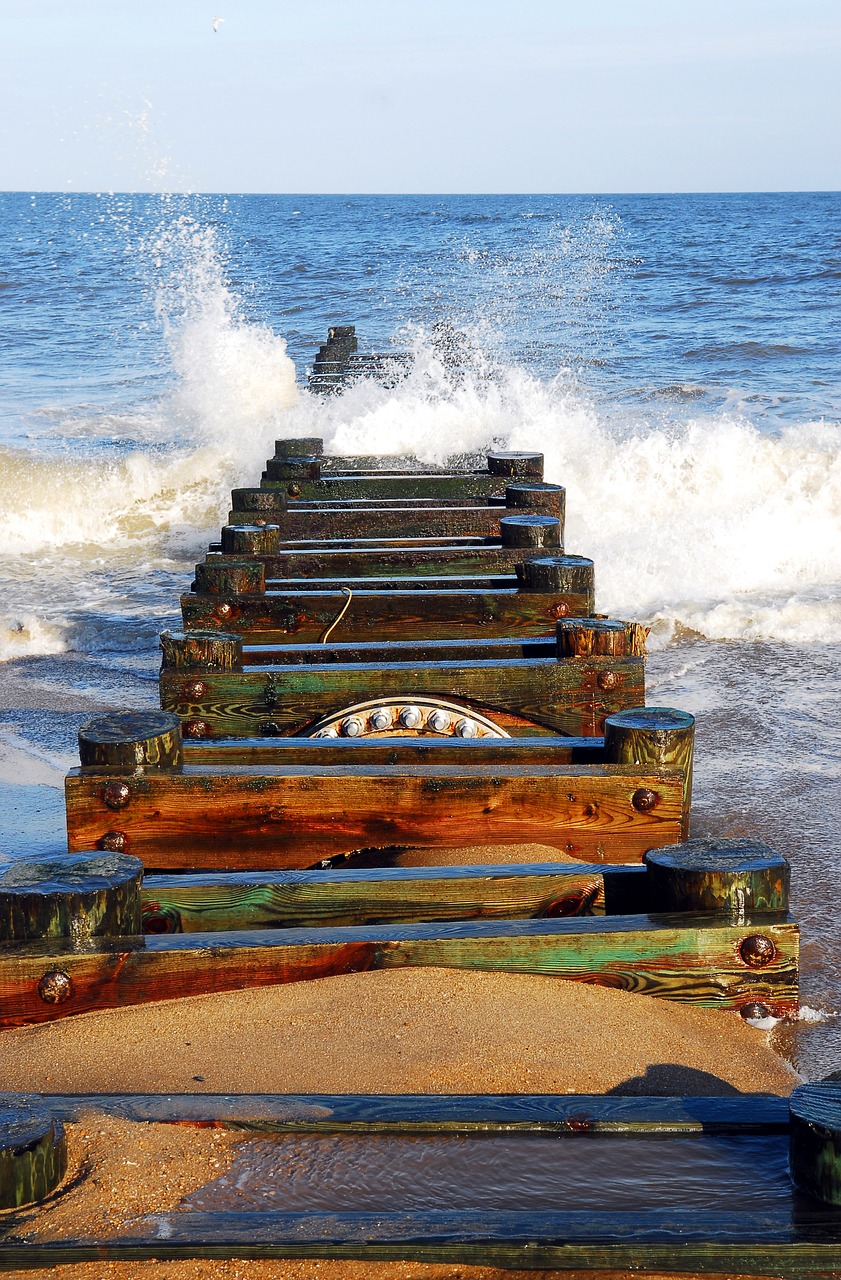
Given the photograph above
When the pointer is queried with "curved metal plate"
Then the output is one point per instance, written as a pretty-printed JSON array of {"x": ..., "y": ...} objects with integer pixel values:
[{"x": 411, "y": 716}]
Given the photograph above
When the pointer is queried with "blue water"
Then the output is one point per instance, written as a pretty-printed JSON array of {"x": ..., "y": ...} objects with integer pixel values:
[{"x": 677, "y": 359}]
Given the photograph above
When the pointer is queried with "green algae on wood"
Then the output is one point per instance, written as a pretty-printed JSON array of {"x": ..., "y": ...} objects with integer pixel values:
[
  {"x": 720, "y": 875},
  {"x": 70, "y": 895},
  {"x": 33, "y": 1154}
]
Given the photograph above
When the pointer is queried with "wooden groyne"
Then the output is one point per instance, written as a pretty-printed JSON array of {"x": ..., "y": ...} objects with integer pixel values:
[{"x": 378, "y": 655}]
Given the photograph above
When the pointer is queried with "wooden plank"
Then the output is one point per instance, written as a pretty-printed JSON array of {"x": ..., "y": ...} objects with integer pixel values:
[
  {"x": 284, "y": 817},
  {"x": 394, "y": 562},
  {"x": 453, "y": 650},
  {"x": 487, "y": 752},
  {"x": 338, "y": 523},
  {"x": 565, "y": 1115},
  {"x": 373, "y": 486},
  {"x": 405, "y": 582},
  {"x": 690, "y": 959},
  {"x": 307, "y": 899},
  {"x": 571, "y": 697},
  {"x": 381, "y": 615}
]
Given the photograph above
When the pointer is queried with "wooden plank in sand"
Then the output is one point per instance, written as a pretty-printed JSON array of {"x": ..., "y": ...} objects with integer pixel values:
[{"x": 692, "y": 959}]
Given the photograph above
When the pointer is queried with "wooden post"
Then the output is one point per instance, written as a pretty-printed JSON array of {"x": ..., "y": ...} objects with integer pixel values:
[
  {"x": 219, "y": 577},
  {"x": 728, "y": 877},
  {"x": 33, "y": 1155},
  {"x": 518, "y": 465},
  {"x": 250, "y": 539},
  {"x": 600, "y": 638},
  {"x": 71, "y": 895},
  {"x": 537, "y": 496},
  {"x": 657, "y": 737},
  {"x": 299, "y": 447},
  {"x": 572, "y": 574},
  {"x": 815, "y": 1139},
  {"x": 208, "y": 650},
  {"x": 307, "y": 468},
  {"x": 267, "y": 501},
  {"x": 530, "y": 531},
  {"x": 136, "y": 740}
]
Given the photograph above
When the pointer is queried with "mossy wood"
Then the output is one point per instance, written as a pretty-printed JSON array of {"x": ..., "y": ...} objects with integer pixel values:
[
  {"x": 570, "y": 698},
  {"x": 477, "y": 581},
  {"x": 571, "y": 1116},
  {"x": 308, "y": 899},
  {"x": 730, "y": 876},
  {"x": 77, "y": 896},
  {"x": 286, "y": 816},
  {"x": 337, "y": 524},
  {"x": 490, "y": 753},
  {"x": 600, "y": 638},
  {"x": 690, "y": 959},
  {"x": 345, "y": 652},
  {"x": 131, "y": 740},
  {"x": 33, "y": 1153},
  {"x": 383, "y": 615},
  {"x": 815, "y": 1140},
  {"x": 659, "y": 737},
  {"x": 397, "y": 562}
]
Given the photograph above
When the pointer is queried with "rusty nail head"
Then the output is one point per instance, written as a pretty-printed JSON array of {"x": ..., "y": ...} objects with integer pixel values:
[
  {"x": 608, "y": 680},
  {"x": 194, "y": 728},
  {"x": 55, "y": 987},
  {"x": 159, "y": 922},
  {"x": 757, "y": 951},
  {"x": 194, "y": 690},
  {"x": 294, "y": 490},
  {"x": 224, "y": 610},
  {"x": 116, "y": 795},
  {"x": 260, "y": 520},
  {"x": 112, "y": 842},
  {"x": 644, "y": 800},
  {"x": 560, "y": 610}
]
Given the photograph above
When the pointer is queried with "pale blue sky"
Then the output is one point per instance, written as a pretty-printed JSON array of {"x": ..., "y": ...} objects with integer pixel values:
[{"x": 385, "y": 96}]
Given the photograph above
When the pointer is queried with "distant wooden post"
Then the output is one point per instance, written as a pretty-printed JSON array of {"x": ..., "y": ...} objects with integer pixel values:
[
  {"x": 33, "y": 1155},
  {"x": 307, "y": 468},
  {"x": 815, "y": 1139},
  {"x": 250, "y": 539},
  {"x": 562, "y": 574},
  {"x": 654, "y": 737},
  {"x": 71, "y": 895},
  {"x": 538, "y": 496},
  {"x": 227, "y": 577},
  {"x": 268, "y": 502},
  {"x": 299, "y": 447},
  {"x": 600, "y": 638},
  {"x": 207, "y": 650},
  {"x": 530, "y": 531},
  {"x": 728, "y": 877},
  {"x": 518, "y": 465}
]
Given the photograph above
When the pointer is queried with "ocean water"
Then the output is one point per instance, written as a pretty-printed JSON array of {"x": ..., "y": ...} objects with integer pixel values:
[{"x": 676, "y": 358}]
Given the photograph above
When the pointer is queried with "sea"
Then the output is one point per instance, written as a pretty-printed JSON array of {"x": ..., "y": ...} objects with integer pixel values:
[{"x": 677, "y": 358}]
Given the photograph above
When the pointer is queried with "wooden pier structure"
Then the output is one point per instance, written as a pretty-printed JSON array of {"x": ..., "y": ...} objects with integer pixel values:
[{"x": 380, "y": 655}]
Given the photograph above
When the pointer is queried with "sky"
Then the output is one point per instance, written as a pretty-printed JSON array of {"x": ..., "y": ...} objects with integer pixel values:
[{"x": 431, "y": 96}]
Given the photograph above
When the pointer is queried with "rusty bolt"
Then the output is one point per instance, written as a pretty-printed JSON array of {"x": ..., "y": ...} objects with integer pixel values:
[
  {"x": 559, "y": 611},
  {"x": 193, "y": 690},
  {"x": 269, "y": 729},
  {"x": 116, "y": 795},
  {"x": 608, "y": 680},
  {"x": 160, "y": 921},
  {"x": 195, "y": 728},
  {"x": 55, "y": 987},
  {"x": 757, "y": 951},
  {"x": 755, "y": 1009},
  {"x": 644, "y": 800},
  {"x": 275, "y": 815},
  {"x": 112, "y": 842},
  {"x": 259, "y": 520},
  {"x": 223, "y": 610},
  {"x": 294, "y": 491}
]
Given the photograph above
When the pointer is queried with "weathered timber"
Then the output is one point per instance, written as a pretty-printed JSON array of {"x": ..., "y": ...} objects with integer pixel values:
[
  {"x": 530, "y": 531},
  {"x": 293, "y": 467},
  {"x": 572, "y": 1116},
  {"x": 690, "y": 959},
  {"x": 600, "y": 637},
  {"x": 258, "y": 502},
  {"x": 548, "y": 749},
  {"x": 299, "y": 447},
  {"x": 520, "y": 466},
  {"x": 373, "y": 486},
  {"x": 230, "y": 577},
  {"x": 33, "y": 1154},
  {"x": 250, "y": 539},
  {"x": 307, "y": 899},
  {"x": 201, "y": 650},
  {"x": 574, "y": 574},
  {"x": 548, "y": 498},
  {"x": 136, "y": 740},
  {"x": 286, "y": 816},
  {"x": 570, "y": 698},
  {"x": 658, "y": 737},
  {"x": 383, "y": 615},
  {"x": 395, "y": 562},
  {"x": 340, "y": 523},
  {"x": 75, "y": 896},
  {"x": 725, "y": 876},
  {"x": 476, "y": 581},
  {"x": 815, "y": 1139},
  {"x": 423, "y": 651}
]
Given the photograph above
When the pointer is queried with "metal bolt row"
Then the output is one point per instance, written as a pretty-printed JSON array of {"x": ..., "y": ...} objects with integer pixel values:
[{"x": 410, "y": 717}]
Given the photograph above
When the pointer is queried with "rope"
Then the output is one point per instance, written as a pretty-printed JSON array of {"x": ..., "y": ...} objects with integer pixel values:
[{"x": 325, "y": 635}]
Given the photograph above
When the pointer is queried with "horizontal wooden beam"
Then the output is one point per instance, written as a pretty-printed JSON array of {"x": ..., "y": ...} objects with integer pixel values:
[
  {"x": 487, "y": 752},
  {"x": 212, "y": 818},
  {"x": 340, "y": 523},
  {"x": 691, "y": 959}
]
